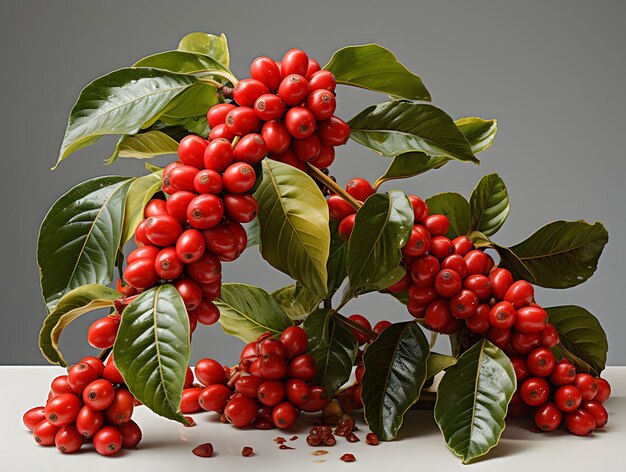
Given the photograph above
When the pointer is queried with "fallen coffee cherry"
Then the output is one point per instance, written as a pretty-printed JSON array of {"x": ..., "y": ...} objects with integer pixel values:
[
  {"x": 313, "y": 440},
  {"x": 371, "y": 439},
  {"x": 352, "y": 438},
  {"x": 247, "y": 451},
  {"x": 284, "y": 446},
  {"x": 329, "y": 440},
  {"x": 203, "y": 450},
  {"x": 348, "y": 458}
]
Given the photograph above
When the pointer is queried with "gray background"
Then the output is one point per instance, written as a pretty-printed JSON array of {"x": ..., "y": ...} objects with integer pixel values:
[{"x": 552, "y": 73}]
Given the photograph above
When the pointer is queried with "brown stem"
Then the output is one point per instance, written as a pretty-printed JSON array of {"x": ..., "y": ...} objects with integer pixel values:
[
  {"x": 105, "y": 353},
  {"x": 323, "y": 178}
]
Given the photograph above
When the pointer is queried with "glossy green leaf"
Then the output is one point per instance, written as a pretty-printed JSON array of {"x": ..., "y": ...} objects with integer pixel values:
[
  {"x": 456, "y": 208},
  {"x": 252, "y": 230},
  {"x": 121, "y": 102},
  {"x": 334, "y": 347},
  {"x": 192, "y": 103},
  {"x": 337, "y": 258},
  {"x": 296, "y": 301},
  {"x": 438, "y": 363},
  {"x": 210, "y": 45},
  {"x": 72, "y": 305},
  {"x": 184, "y": 62},
  {"x": 374, "y": 67},
  {"x": 140, "y": 193},
  {"x": 559, "y": 255},
  {"x": 398, "y": 127},
  {"x": 152, "y": 350},
  {"x": 489, "y": 205},
  {"x": 581, "y": 334},
  {"x": 472, "y": 400},
  {"x": 478, "y": 132},
  {"x": 410, "y": 164},
  {"x": 395, "y": 371},
  {"x": 144, "y": 146},
  {"x": 247, "y": 312},
  {"x": 293, "y": 221},
  {"x": 79, "y": 237},
  {"x": 381, "y": 228}
]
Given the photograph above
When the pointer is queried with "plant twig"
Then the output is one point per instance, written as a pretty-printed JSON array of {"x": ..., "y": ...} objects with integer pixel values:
[
  {"x": 105, "y": 353},
  {"x": 331, "y": 184}
]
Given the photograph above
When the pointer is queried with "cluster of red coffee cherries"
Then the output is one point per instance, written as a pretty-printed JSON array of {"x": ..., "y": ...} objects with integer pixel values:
[
  {"x": 285, "y": 111},
  {"x": 89, "y": 404},
  {"x": 554, "y": 393},
  {"x": 269, "y": 388}
]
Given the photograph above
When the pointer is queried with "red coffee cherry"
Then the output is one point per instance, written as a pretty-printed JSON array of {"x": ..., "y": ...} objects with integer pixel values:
[
  {"x": 564, "y": 373},
  {"x": 520, "y": 294},
  {"x": 548, "y": 417},
  {"x": 323, "y": 79},
  {"x": 155, "y": 207},
  {"x": 241, "y": 207},
  {"x": 273, "y": 367},
  {"x": 247, "y": 91},
  {"x": 124, "y": 288},
  {"x": 144, "y": 252},
  {"x": 131, "y": 434},
  {"x": 381, "y": 326},
  {"x": 99, "y": 394},
  {"x": 359, "y": 189},
  {"x": 302, "y": 367},
  {"x": 121, "y": 409},
  {"x": 271, "y": 392},
  {"x": 293, "y": 90},
  {"x": 189, "y": 400},
  {"x": 141, "y": 274},
  {"x": 501, "y": 280},
  {"x": 239, "y": 178},
  {"x": 217, "y": 114},
  {"x": 221, "y": 132},
  {"x": 346, "y": 226},
  {"x": 454, "y": 262},
  {"x": 295, "y": 340},
  {"x": 521, "y": 369},
  {"x": 284, "y": 415},
  {"x": 333, "y": 131},
  {"x": 240, "y": 411},
  {"x": 424, "y": 269},
  {"x": 167, "y": 264},
  {"x": 587, "y": 385},
  {"x": 300, "y": 122},
  {"x": 103, "y": 331},
  {"x": 420, "y": 208},
  {"x": 541, "y": 362},
  {"x": 162, "y": 230},
  {"x": 568, "y": 398},
  {"x": 218, "y": 155},
  {"x": 79, "y": 375},
  {"x": 208, "y": 181},
  {"x": 214, "y": 397},
  {"x": 205, "y": 211},
  {"x": 580, "y": 422},
  {"x": 604, "y": 390},
  {"x": 45, "y": 432},
  {"x": 94, "y": 362},
  {"x": 241, "y": 121},
  {"x": 205, "y": 270},
  {"x": 448, "y": 282},
  {"x": 265, "y": 70},
  {"x": 535, "y": 391},
  {"x": 480, "y": 285},
  {"x": 464, "y": 304},
  {"x": 207, "y": 313},
  {"x": 108, "y": 441},
  {"x": 599, "y": 413},
  {"x": 477, "y": 262},
  {"x": 418, "y": 243},
  {"x": 338, "y": 208},
  {"x": 219, "y": 240},
  {"x": 177, "y": 205},
  {"x": 499, "y": 337},
  {"x": 312, "y": 68},
  {"x": 111, "y": 373},
  {"x": 417, "y": 310},
  {"x": 62, "y": 409},
  {"x": 422, "y": 295},
  {"x": 89, "y": 421},
  {"x": 181, "y": 178},
  {"x": 241, "y": 237},
  {"x": 191, "y": 150},
  {"x": 189, "y": 291},
  {"x": 276, "y": 137},
  {"x": 209, "y": 372},
  {"x": 319, "y": 399},
  {"x": 523, "y": 343},
  {"x": 549, "y": 336},
  {"x": 307, "y": 148},
  {"x": 364, "y": 323},
  {"x": 502, "y": 315},
  {"x": 441, "y": 247},
  {"x": 295, "y": 61},
  {"x": 68, "y": 440},
  {"x": 190, "y": 246},
  {"x": 462, "y": 245},
  {"x": 322, "y": 103},
  {"x": 325, "y": 158},
  {"x": 140, "y": 235},
  {"x": 269, "y": 107},
  {"x": 251, "y": 149},
  {"x": 437, "y": 224},
  {"x": 479, "y": 322},
  {"x": 438, "y": 316},
  {"x": 33, "y": 417},
  {"x": 401, "y": 285},
  {"x": 530, "y": 319}
]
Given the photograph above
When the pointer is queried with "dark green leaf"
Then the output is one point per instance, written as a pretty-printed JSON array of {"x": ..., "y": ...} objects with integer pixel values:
[
  {"x": 121, "y": 102},
  {"x": 183, "y": 62},
  {"x": 456, "y": 208},
  {"x": 559, "y": 255},
  {"x": 247, "y": 312},
  {"x": 478, "y": 132},
  {"x": 210, "y": 45},
  {"x": 382, "y": 227},
  {"x": 192, "y": 103},
  {"x": 472, "y": 400},
  {"x": 152, "y": 350},
  {"x": 73, "y": 304},
  {"x": 144, "y": 146},
  {"x": 581, "y": 334},
  {"x": 296, "y": 301},
  {"x": 398, "y": 127},
  {"x": 252, "y": 230},
  {"x": 140, "y": 193},
  {"x": 336, "y": 266},
  {"x": 293, "y": 221},
  {"x": 489, "y": 205},
  {"x": 410, "y": 164},
  {"x": 79, "y": 237},
  {"x": 438, "y": 363},
  {"x": 395, "y": 371},
  {"x": 334, "y": 347},
  {"x": 374, "y": 67}
]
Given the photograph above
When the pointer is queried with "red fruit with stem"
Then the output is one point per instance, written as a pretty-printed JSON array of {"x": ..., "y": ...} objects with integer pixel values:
[
  {"x": 587, "y": 385},
  {"x": 209, "y": 372},
  {"x": 141, "y": 274},
  {"x": 239, "y": 178},
  {"x": 322, "y": 103},
  {"x": 68, "y": 440},
  {"x": 360, "y": 320},
  {"x": 284, "y": 415},
  {"x": 189, "y": 291},
  {"x": 502, "y": 315},
  {"x": 99, "y": 394},
  {"x": 103, "y": 331},
  {"x": 462, "y": 245},
  {"x": 240, "y": 411},
  {"x": 62, "y": 409},
  {"x": 218, "y": 155},
  {"x": 563, "y": 373},
  {"x": 531, "y": 319},
  {"x": 250, "y": 149},
  {"x": 181, "y": 178},
  {"x": 477, "y": 262},
  {"x": 205, "y": 211},
  {"x": 303, "y": 367},
  {"x": 463, "y": 304},
  {"x": 295, "y": 341},
  {"x": 269, "y": 107},
  {"x": 441, "y": 247},
  {"x": 568, "y": 398},
  {"x": 89, "y": 421},
  {"x": 241, "y": 121},
  {"x": 247, "y": 91},
  {"x": 221, "y": 132},
  {"x": 300, "y": 122},
  {"x": 334, "y": 131},
  {"x": 217, "y": 114},
  {"x": 359, "y": 188},
  {"x": 454, "y": 262},
  {"x": 338, "y": 208}
]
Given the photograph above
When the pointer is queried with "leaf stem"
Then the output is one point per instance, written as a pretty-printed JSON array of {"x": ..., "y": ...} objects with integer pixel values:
[
  {"x": 331, "y": 184},
  {"x": 105, "y": 353}
]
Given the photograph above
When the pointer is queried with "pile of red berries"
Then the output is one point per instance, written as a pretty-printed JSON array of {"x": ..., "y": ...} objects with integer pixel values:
[
  {"x": 90, "y": 403},
  {"x": 554, "y": 392},
  {"x": 285, "y": 110},
  {"x": 269, "y": 388}
]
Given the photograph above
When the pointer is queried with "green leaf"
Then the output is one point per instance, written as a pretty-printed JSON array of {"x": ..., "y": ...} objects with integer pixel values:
[
  {"x": 410, "y": 164},
  {"x": 192, "y": 103},
  {"x": 296, "y": 301},
  {"x": 489, "y": 205},
  {"x": 210, "y": 45},
  {"x": 456, "y": 208},
  {"x": 472, "y": 400},
  {"x": 140, "y": 193},
  {"x": 152, "y": 350},
  {"x": 121, "y": 102},
  {"x": 336, "y": 265},
  {"x": 478, "y": 132},
  {"x": 581, "y": 334},
  {"x": 183, "y": 62},
  {"x": 398, "y": 127},
  {"x": 79, "y": 237},
  {"x": 561, "y": 254},
  {"x": 293, "y": 221},
  {"x": 334, "y": 347},
  {"x": 437, "y": 363},
  {"x": 374, "y": 67},
  {"x": 144, "y": 146},
  {"x": 381, "y": 228},
  {"x": 72, "y": 305},
  {"x": 247, "y": 312},
  {"x": 395, "y": 371},
  {"x": 252, "y": 230}
]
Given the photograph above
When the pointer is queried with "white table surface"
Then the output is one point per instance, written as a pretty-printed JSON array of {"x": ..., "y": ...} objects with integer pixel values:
[{"x": 166, "y": 446}]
